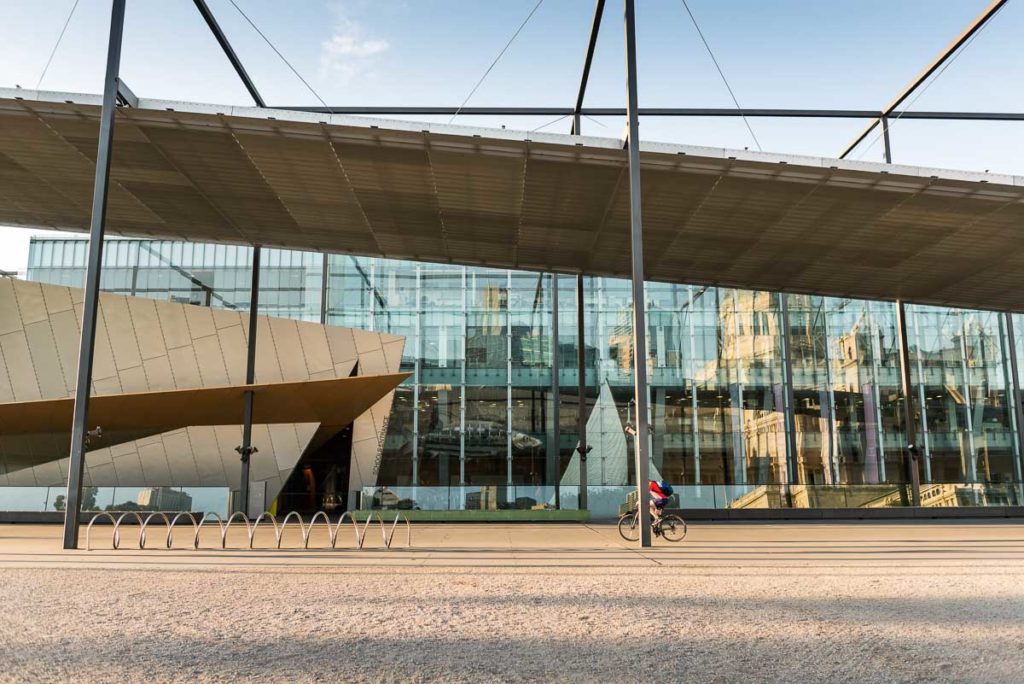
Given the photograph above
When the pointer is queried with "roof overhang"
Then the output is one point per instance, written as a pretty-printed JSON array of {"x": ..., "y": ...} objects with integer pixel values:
[{"x": 508, "y": 199}]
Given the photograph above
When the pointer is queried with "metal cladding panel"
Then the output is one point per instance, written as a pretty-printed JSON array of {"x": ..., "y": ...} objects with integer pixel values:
[
  {"x": 149, "y": 347},
  {"x": 507, "y": 199}
]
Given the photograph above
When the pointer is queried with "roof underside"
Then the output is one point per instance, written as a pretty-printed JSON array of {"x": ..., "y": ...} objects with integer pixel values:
[{"x": 522, "y": 201}]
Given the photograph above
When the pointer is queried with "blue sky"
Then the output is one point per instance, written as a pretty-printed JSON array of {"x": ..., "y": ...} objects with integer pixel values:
[{"x": 783, "y": 53}]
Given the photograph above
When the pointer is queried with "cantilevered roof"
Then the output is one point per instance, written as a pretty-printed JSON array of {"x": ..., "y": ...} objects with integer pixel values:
[
  {"x": 333, "y": 403},
  {"x": 519, "y": 200}
]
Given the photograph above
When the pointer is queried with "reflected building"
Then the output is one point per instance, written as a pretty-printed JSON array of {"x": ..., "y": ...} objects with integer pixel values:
[{"x": 486, "y": 408}]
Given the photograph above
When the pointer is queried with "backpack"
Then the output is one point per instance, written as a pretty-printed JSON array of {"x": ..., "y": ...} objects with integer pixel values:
[{"x": 665, "y": 488}]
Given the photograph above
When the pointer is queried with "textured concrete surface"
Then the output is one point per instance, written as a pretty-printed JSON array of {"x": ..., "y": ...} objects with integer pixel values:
[{"x": 732, "y": 603}]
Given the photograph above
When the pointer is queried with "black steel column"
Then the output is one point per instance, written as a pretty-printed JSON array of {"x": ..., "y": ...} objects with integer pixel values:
[
  {"x": 90, "y": 306},
  {"x": 581, "y": 419},
  {"x": 909, "y": 421},
  {"x": 324, "y": 280},
  {"x": 246, "y": 450},
  {"x": 884, "y": 122},
  {"x": 640, "y": 388},
  {"x": 1018, "y": 410},
  {"x": 790, "y": 399},
  {"x": 555, "y": 459}
]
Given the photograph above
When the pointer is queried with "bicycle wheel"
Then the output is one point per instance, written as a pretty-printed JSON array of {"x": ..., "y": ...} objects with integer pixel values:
[
  {"x": 673, "y": 527},
  {"x": 628, "y": 527}
]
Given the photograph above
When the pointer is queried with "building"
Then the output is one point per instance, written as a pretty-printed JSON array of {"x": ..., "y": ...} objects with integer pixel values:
[
  {"x": 478, "y": 411},
  {"x": 164, "y": 499}
]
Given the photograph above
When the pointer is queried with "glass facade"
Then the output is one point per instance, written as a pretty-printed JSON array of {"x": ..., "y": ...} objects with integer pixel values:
[{"x": 491, "y": 406}]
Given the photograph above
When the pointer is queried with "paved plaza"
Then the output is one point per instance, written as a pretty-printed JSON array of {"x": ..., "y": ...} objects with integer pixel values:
[{"x": 855, "y": 602}]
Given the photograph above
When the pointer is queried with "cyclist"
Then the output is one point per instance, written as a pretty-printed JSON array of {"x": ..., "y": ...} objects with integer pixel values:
[{"x": 660, "y": 491}]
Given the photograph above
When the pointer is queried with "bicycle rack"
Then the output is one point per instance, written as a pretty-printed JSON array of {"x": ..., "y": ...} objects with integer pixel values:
[{"x": 224, "y": 527}]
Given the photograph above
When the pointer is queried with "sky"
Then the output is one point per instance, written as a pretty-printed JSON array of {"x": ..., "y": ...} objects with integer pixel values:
[{"x": 852, "y": 54}]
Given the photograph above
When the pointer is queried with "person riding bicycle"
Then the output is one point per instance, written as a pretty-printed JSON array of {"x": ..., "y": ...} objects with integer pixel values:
[{"x": 660, "y": 492}]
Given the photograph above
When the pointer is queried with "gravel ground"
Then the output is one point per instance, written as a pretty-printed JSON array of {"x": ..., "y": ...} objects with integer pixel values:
[{"x": 795, "y": 624}]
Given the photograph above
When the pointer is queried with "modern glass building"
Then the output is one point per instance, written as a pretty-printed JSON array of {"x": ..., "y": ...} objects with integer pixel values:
[{"x": 757, "y": 399}]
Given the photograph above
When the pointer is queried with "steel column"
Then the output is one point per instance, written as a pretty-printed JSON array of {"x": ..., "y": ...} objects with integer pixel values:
[
  {"x": 247, "y": 450},
  {"x": 1018, "y": 410},
  {"x": 887, "y": 148},
  {"x": 324, "y": 282},
  {"x": 554, "y": 461},
  {"x": 90, "y": 306},
  {"x": 641, "y": 391},
  {"x": 909, "y": 422},
  {"x": 790, "y": 399},
  {"x": 581, "y": 375}
]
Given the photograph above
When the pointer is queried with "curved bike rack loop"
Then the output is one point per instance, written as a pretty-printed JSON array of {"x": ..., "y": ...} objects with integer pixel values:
[
  {"x": 199, "y": 528},
  {"x": 88, "y": 530},
  {"x": 142, "y": 531},
  {"x": 284, "y": 524},
  {"x": 174, "y": 521},
  {"x": 337, "y": 528},
  {"x": 265, "y": 515},
  {"x": 117, "y": 526},
  {"x": 309, "y": 530},
  {"x": 227, "y": 527}
]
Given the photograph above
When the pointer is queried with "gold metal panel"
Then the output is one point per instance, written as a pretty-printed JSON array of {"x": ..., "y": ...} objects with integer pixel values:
[
  {"x": 233, "y": 351},
  {"x": 200, "y": 321},
  {"x": 158, "y": 373},
  {"x": 58, "y": 299},
  {"x": 121, "y": 332},
  {"x": 146, "y": 323},
  {"x": 174, "y": 326},
  {"x": 19, "y": 366},
  {"x": 31, "y": 305},
  {"x": 45, "y": 360},
  {"x": 286, "y": 342},
  {"x": 315, "y": 349},
  {"x": 268, "y": 365},
  {"x": 210, "y": 361},
  {"x": 66, "y": 336},
  {"x": 185, "y": 367},
  {"x": 10, "y": 317}
]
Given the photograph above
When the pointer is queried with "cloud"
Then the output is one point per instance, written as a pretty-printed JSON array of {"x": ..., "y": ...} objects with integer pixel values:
[{"x": 349, "y": 51}]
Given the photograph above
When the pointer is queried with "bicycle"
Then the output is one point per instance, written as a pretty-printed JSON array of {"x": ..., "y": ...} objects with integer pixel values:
[{"x": 670, "y": 526}]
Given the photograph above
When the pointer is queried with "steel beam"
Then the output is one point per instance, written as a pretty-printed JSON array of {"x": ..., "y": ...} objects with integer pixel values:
[
  {"x": 581, "y": 375},
  {"x": 929, "y": 69},
  {"x": 909, "y": 420},
  {"x": 595, "y": 27},
  {"x": 246, "y": 450},
  {"x": 709, "y": 112},
  {"x": 90, "y": 306},
  {"x": 641, "y": 391},
  {"x": 222, "y": 39}
]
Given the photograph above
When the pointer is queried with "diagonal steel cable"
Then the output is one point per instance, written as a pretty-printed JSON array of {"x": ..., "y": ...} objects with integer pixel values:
[
  {"x": 57, "y": 44},
  {"x": 722, "y": 74},
  {"x": 496, "y": 59},
  {"x": 283, "y": 59}
]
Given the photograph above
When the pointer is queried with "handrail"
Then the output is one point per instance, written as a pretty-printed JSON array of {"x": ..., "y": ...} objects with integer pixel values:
[
  {"x": 142, "y": 532},
  {"x": 251, "y": 527},
  {"x": 88, "y": 530},
  {"x": 170, "y": 530}
]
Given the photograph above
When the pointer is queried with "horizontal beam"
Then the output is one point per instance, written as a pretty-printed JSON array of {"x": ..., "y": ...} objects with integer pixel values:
[{"x": 661, "y": 111}]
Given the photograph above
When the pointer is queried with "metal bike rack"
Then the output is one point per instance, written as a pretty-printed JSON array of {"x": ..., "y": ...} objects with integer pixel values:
[
  {"x": 224, "y": 527},
  {"x": 195, "y": 528}
]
